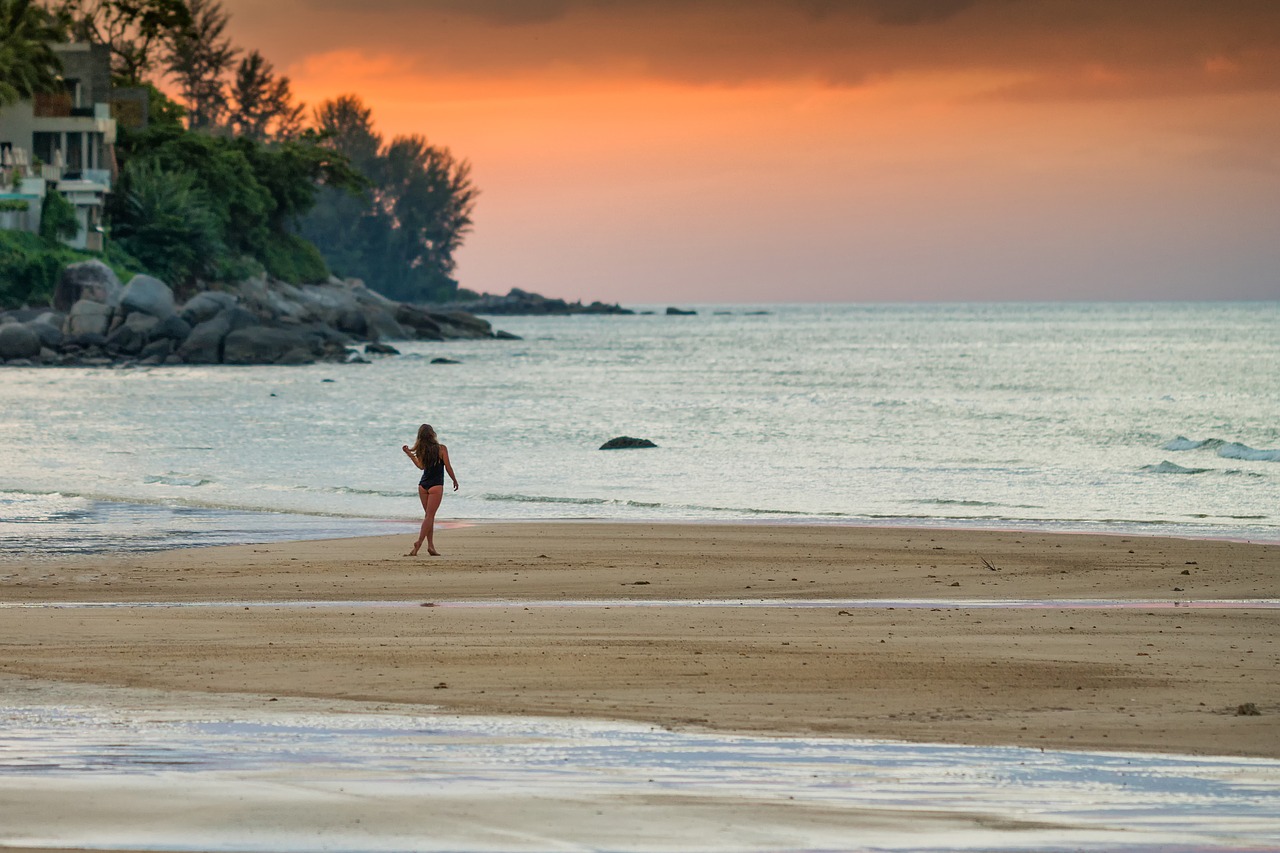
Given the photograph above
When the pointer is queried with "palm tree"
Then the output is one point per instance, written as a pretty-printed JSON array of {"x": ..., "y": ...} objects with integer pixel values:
[{"x": 27, "y": 62}]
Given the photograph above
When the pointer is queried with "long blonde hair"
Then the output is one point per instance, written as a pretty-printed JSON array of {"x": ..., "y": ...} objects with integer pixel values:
[{"x": 426, "y": 449}]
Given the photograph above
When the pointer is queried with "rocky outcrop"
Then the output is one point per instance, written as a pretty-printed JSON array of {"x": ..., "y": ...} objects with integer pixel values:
[
  {"x": 521, "y": 302},
  {"x": 258, "y": 321}
]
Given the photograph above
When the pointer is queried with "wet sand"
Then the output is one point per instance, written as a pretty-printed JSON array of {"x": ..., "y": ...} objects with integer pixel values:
[{"x": 1158, "y": 679}]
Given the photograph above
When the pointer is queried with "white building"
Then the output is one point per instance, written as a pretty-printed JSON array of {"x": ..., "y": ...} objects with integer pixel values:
[{"x": 66, "y": 139}]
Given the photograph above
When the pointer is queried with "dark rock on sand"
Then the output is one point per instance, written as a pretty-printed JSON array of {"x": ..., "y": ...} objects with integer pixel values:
[
  {"x": 625, "y": 442},
  {"x": 444, "y": 361}
]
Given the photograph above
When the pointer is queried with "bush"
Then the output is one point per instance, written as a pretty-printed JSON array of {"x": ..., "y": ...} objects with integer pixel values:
[
  {"x": 58, "y": 217},
  {"x": 29, "y": 269},
  {"x": 31, "y": 265},
  {"x": 295, "y": 260},
  {"x": 165, "y": 221}
]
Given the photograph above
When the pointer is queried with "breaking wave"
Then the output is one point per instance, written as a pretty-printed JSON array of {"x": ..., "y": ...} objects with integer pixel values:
[{"x": 1225, "y": 449}]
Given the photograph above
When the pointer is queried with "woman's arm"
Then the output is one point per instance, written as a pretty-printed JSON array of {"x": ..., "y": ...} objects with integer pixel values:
[
  {"x": 444, "y": 457},
  {"x": 409, "y": 453}
]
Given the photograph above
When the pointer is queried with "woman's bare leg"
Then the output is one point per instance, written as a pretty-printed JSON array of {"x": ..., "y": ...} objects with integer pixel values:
[
  {"x": 430, "y": 503},
  {"x": 434, "y": 496}
]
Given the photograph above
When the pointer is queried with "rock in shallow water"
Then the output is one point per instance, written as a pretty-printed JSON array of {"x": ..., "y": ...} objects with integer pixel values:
[{"x": 625, "y": 442}]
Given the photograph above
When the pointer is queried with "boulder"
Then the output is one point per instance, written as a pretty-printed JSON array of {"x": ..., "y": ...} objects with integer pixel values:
[
  {"x": 50, "y": 335},
  {"x": 133, "y": 334},
  {"x": 624, "y": 442},
  {"x": 262, "y": 345},
  {"x": 17, "y": 340},
  {"x": 54, "y": 318},
  {"x": 459, "y": 324},
  {"x": 148, "y": 295},
  {"x": 297, "y": 355},
  {"x": 172, "y": 327},
  {"x": 381, "y": 325},
  {"x": 273, "y": 300},
  {"x": 84, "y": 341},
  {"x": 329, "y": 302},
  {"x": 92, "y": 280},
  {"x": 207, "y": 305},
  {"x": 88, "y": 317},
  {"x": 23, "y": 315},
  {"x": 380, "y": 349},
  {"x": 158, "y": 349},
  {"x": 678, "y": 312},
  {"x": 415, "y": 318},
  {"x": 204, "y": 344},
  {"x": 352, "y": 321},
  {"x": 443, "y": 360}
]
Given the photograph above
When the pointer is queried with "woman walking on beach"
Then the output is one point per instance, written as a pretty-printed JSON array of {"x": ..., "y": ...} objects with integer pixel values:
[{"x": 433, "y": 458}]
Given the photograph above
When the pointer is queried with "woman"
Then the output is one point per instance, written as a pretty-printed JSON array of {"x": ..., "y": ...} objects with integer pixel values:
[{"x": 433, "y": 458}]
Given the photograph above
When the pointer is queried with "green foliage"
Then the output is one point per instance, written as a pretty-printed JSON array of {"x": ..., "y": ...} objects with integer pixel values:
[
  {"x": 166, "y": 222},
  {"x": 400, "y": 236},
  {"x": 14, "y": 205},
  {"x": 295, "y": 260},
  {"x": 30, "y": 267},
  {"x": 253, "y": 192},
  {"x": 232, "y": 268},
  {"x": 163, "y": 111},
  {"x": 27, "y": 63},
  {"x": 58, "y": 217},
  {"x": 219, "y": 170}
]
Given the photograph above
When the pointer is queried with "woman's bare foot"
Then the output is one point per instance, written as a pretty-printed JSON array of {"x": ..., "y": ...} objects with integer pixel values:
[
  {"x": 433, "y": 552},
  {"x": 414, "y": 552}
]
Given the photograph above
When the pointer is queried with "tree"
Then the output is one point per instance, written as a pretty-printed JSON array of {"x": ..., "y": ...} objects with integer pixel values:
[
  {"x": 58, "y": 216},
  {"x": 262, "y": 103},
  {"x": 400, "y": 236},
  {"x": 346, "y": 125},
  {"x": 137, "y": 31},
  {"x": 27, "y": 63},
  {"x": 199, "y": 58}
]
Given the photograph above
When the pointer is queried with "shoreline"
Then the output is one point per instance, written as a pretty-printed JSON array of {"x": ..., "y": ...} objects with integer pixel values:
[
  {"x": 1159, "y": 680},
  {"x": 313, "y": 525}
]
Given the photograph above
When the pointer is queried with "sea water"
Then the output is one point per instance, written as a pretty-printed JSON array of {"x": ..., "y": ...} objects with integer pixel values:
[{"x": 1155, "y": 418}]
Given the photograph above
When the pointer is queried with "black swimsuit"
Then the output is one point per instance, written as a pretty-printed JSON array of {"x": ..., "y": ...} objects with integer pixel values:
[{"x": 433, "y": 476}]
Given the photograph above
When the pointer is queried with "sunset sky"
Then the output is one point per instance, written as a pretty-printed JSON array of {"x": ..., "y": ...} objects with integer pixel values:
[{"x": 681, "y": 151}]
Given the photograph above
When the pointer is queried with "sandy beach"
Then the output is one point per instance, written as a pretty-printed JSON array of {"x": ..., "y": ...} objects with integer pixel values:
[{"x": 1154, "y": 678}]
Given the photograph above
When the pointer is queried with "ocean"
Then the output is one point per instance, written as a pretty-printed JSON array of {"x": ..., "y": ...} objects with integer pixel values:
[{"x": 1160, "y": 418}]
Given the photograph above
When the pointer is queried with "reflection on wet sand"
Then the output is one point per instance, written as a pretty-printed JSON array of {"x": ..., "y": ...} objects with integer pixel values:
[{"x": 125, "y": 770}]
